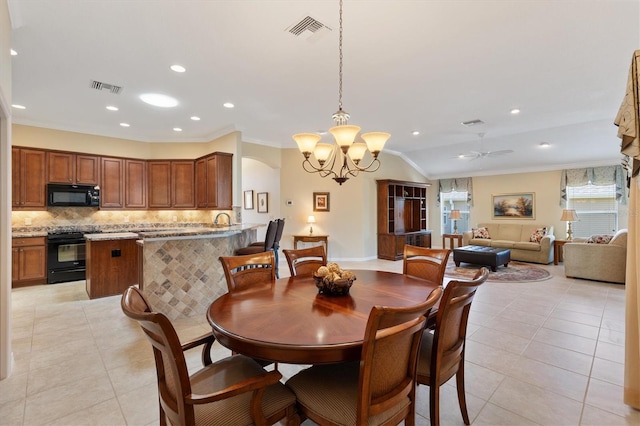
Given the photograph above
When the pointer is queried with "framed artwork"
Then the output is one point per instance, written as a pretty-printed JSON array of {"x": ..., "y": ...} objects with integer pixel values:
[
  {"x": 248, "y": 200},
  {"x": 519, "y": 205},
  {"x": 263, "y": 202},
  {"x": 320, "y": 201}
]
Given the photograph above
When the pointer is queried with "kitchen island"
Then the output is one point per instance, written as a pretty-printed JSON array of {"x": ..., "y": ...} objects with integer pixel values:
[{"x": 179, "y": 268}]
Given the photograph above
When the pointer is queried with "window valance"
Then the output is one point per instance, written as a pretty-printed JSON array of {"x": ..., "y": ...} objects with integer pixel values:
[
  {"x": 606, "y": 175},
  {"x": 457, "y": 185}
]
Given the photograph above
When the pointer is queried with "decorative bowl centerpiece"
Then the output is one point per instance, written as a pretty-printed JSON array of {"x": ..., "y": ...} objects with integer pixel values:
[{"x": 333, "y": 281}]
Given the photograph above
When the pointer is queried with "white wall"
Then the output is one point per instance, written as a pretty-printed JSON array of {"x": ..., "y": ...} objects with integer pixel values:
[
  {"x": 260, "y": 177},
  {"x": 5, "y": 191}
]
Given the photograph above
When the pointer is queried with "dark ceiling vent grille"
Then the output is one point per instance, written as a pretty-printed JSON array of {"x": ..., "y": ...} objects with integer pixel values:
[
  {"x": 98, "y": 85},
  {"x": 472, "y": 123},
  {"x": 307, "y": 23}
]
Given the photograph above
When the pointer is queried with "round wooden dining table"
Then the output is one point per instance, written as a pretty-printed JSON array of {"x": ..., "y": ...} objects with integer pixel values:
[{"x": 288, "y": 321}]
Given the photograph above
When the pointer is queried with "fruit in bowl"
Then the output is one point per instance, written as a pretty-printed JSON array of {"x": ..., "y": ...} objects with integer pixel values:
[{"x": 333, "y": 281}]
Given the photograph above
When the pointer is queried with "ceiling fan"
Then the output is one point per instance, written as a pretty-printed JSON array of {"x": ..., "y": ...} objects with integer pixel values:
[{"x": 474, "y": 155}]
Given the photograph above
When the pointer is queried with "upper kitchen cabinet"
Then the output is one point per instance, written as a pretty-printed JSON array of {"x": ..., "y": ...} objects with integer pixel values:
[
  {"x": 28, "y": 179},
  {"x": 123, "y": 184},
  {"x": 112, "y": 183},
  {"x": 171, "y": 184},
  {"x": 135, "y": 184},
  {"x": 67, "y": 167},
  {"x": 214, "y": 177}
]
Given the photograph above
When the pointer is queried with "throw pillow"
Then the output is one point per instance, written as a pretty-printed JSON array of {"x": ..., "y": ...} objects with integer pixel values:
[
  {"x": 600, "y": 239},
  {"x": 537, "y": 235},
  {"x": 480, "y": 233}
]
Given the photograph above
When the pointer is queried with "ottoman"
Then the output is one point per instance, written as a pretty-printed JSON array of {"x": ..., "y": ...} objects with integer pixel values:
[{"x": 480, "y": 255}]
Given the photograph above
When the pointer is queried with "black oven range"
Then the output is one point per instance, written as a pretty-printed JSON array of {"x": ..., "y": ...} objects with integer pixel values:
[{"x": 66, "y": 256}]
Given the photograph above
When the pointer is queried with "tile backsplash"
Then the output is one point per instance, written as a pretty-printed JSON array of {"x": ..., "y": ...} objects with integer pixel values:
[{"x": 83, "y": 216}]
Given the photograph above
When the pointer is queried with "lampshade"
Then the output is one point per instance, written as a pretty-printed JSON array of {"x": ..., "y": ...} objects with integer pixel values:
[
  {"x": 569, "y": 215},
  {"x": 322, "y": 152},
  {"x": 311, "y": 219},
  {"x": 455, "y": 214},
  {"x": 345, "y": 134},
  {"x": 307, "y": 141}
]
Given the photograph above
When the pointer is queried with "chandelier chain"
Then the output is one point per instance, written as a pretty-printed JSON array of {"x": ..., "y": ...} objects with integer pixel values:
[{"x": 340, "y": 66}]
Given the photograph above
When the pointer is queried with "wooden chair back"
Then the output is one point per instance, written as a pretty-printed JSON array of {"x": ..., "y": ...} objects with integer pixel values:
[
  {"x": 174, "y": 385},
  {"x": 389, "y": 359},
  {"x": 426, "y": 263},
  {"x": 306, "y": 261},
  {"x": 447, "y": 343},
  {"x": 248, "y": 271}
]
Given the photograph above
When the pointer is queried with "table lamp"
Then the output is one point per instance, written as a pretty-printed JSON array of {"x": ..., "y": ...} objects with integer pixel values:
[
  {"x": 455, "y": 215},
  {"x": 311, "y": 220},
  {"x": 569, "y": 216}
]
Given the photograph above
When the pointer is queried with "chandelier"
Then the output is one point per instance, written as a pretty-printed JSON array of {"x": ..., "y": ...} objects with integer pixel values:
[{"x": 346, "y": 152}]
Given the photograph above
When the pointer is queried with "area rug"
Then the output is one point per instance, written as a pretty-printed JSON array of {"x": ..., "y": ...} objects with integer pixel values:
[{"x": 515, "y": 272}]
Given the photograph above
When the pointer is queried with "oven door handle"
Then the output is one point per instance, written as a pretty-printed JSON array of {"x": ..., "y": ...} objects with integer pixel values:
[{"x": 66, "y": 242}]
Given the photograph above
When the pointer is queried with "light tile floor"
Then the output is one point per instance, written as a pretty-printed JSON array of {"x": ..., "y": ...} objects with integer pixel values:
[{"x": 541, "y": 353}]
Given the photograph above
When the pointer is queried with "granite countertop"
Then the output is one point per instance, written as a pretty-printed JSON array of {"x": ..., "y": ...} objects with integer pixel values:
[
  {"x": 110, "y": 236},
  {"x": 217, "y": 231},
  {"x": 28, "y": 234}
]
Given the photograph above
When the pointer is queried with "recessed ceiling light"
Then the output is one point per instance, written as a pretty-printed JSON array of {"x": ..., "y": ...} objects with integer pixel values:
[
  {"x": 19, "y": 106},
  {"x": 415, "y": 133},
  {"x": 228, "y": 105},
  {"x": 545, "y": 144},
  {"x": 112, "y": 108},
  {"x": 156, "y": 99},
  {"x": 195, "y": 118},
  {"x": 13, "y": 52},
  {"x": 460, "y": 155},
  {"x": 515, "y": 111},
  {"x": 178, "y": 68},
  {"x": 177, "y": 129},
  {"x": 125, "y": 124}
]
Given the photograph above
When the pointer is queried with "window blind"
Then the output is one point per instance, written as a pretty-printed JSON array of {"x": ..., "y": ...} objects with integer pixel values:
[{"x": 596, "y": 207}]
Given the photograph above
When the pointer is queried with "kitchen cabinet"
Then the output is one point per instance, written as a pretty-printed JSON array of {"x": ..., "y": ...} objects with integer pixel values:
[
  {"x": 402, "y": 217},
  {"x": 112, "y": 183},
  {"x": 135, "y": 184},
  {"x": 171, "y": 184},
  {"x": 29, "y": 261},
  {"x": 28, "y": 191},
  {"x": 214, "y": 177},
  {"x": 112, "y": 266},
  {"x": 67, "y": 167}
]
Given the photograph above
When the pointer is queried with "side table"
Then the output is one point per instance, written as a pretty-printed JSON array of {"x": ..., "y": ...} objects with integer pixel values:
[
  {"x": 312, "y": 239},
  {"x": 558, "y": 250},
  {"x": 451, "y": 238}
]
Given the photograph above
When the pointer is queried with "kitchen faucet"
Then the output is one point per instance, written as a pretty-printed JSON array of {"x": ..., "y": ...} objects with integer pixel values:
[{"x": 215, "y": 221}]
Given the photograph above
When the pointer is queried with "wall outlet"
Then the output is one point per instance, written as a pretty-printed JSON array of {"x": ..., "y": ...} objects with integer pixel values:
[
  {"x": 175, "y": 218},
  {"x": 289, "y": 202},
  {"x": 27, "y": 221},
  {"x": 126, "y": 219}
]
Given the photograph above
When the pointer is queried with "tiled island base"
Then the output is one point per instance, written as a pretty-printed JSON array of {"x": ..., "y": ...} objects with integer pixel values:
[{"x": 182, "y": 275}]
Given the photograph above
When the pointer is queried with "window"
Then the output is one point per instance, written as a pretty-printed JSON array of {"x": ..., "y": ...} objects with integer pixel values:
[
  {"x": 450, "y": 201},
  {"x": 596, "y": 207}
]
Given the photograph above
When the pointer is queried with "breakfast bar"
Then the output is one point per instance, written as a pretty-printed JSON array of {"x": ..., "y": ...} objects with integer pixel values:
[{"x": 180, "y": 271}]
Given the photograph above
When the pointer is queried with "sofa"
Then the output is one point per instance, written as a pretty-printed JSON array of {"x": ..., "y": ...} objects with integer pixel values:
[
  {"x": 599, "y": 257},
  {"x": 527, "y": 242}
]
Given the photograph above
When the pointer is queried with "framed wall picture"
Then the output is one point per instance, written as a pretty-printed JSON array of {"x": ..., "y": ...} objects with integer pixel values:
[
  {"x": 263, "y": 202},
  {"x": 320, "y": 201},
  {"x": 520, "y": 205},
  {"x": 248, "y": 200}
]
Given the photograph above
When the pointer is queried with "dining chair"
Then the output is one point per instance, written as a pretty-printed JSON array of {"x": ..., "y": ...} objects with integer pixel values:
[
  {"x": 248, "y": 271},
  {"x": 426, "y": 263},
  {"x": 378, "y": 389},
  {"x": 233, "y": 390},
  {"x": 306, "y": 261},
  {"x": 442, "y": 350}
]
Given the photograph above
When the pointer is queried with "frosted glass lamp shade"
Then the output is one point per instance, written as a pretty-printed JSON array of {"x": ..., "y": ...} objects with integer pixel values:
[
  {"x": 356, "y": 151},
  {"x": 306, "y": 141},
  {"x": 375, "y": 141},
  {"x": 323, "y": 152},
  {"x": 344, "y": 135}
]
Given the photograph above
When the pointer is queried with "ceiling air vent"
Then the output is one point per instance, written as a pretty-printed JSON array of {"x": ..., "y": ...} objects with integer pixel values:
[
  {"x": 98, "y": 85},
  {"x": 472, "y": 123},
  {"x": 306, "y": 23}
]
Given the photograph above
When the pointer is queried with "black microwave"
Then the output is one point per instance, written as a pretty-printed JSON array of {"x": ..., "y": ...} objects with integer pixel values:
[{"x": 73, "y": 195}]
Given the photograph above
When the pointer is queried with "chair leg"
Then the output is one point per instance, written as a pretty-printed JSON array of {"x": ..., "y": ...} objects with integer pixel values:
[
  {"x": 434, "y": 404},
  {"x": 462, "y": 400}
]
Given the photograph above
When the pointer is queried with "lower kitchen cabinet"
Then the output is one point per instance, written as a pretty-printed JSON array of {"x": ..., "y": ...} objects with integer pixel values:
[
  {"x": 112, "y": 266},
  {"x": 29, "y": 261}
]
